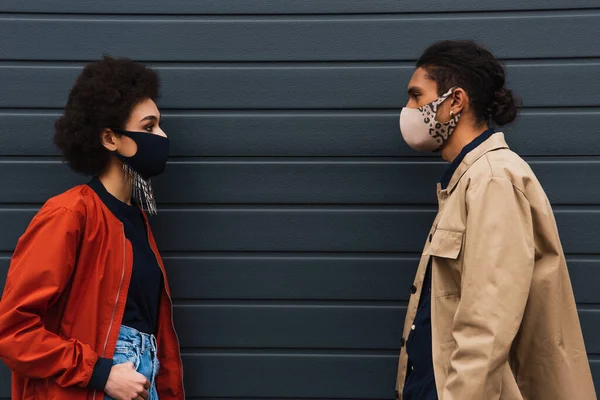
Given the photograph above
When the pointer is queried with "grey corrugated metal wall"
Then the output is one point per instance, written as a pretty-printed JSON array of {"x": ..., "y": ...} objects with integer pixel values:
[{"x": 292, "y": 214}]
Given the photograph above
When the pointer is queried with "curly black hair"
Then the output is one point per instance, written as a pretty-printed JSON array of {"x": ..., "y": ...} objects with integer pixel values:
[
  {"x": 103, "y": 97},
  {"x": 466, "y": 64}
]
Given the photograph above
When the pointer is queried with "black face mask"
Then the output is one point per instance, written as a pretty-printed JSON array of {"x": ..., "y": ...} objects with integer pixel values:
[{"x": 152, "y": 151}]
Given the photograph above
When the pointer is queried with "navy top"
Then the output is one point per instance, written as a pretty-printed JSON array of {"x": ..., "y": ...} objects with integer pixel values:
[
  {"x": 445, "y": 181},
  {"x": 141, "y": 309},
  {"x": 420, "y": 379}
]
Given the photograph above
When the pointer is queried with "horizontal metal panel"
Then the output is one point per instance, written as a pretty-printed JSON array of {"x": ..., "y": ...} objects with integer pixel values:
[
  {"x": 262, "y": 182},
  {"x": 324, "y": 133},
  {"x": 318, "y": 277},
  {"x": 315, "y": 277},
  {"x": 287, "y": 277},
  {"x": 318, "y": 181},
  {"x": 310, "y": 86},
  {"x": 330, "y": 229},
  {"x": 312, "y": 326},
  {"x": 347, "y": 182},
  {"x": 309, "y": 277},
  {"x": 269, "y": 229},
  {"x": 286, "y": 326},
  {"x": 547, "y": 35},
  {"x": 308, "y": 229},
  {"x": 284, "y": 6},
  {"x": 287, "y": 376}
]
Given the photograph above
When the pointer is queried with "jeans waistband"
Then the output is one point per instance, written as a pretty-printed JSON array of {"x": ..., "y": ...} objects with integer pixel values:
[{"x": 144, "y": 341}]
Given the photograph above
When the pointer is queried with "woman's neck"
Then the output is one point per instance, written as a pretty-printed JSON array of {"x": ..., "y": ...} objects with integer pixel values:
[{"x": 115, "y": 182}]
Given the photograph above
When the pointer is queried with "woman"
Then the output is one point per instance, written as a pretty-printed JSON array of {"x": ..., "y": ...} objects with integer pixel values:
[
  {"x": 87, "y": 309},
  {"x": 492, "y": 313}
]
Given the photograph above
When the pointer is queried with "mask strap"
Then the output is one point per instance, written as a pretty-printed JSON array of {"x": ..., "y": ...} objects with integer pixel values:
[
  {"x": 120, "y": 131},
  {"x": 435, "y": 105},
  {"x": 430, "y": 110}
]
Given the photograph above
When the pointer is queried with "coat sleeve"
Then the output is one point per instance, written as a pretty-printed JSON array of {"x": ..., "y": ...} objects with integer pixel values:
[
  {"x": 497, "y": 272},
  {"x": 40, "y": 270}
]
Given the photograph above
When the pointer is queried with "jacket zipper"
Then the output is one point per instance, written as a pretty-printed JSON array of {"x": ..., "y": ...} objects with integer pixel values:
[
  {"x": 116, "y": 300},
  {"x": 171, "y": 303}
]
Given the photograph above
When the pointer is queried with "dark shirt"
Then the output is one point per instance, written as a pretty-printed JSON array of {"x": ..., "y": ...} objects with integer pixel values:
[
  {"x": 420, "y": 379},
  {"x": 445, "y": 181},
  {"x": 141, "y": 309}
]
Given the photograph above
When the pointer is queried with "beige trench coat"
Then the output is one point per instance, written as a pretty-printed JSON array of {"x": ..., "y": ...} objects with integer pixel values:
[{"x": 503, "y": 315}]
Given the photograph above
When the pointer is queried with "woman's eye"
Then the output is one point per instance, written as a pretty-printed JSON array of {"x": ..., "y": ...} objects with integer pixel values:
[{"x": 149, "y": 128}]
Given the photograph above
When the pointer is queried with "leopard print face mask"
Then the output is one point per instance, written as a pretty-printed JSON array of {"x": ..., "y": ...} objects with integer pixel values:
[{"x": 420, "y": 128}]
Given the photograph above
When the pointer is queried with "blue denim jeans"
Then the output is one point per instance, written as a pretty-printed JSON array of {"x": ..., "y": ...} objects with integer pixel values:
[{"x": 140, "y": 349}]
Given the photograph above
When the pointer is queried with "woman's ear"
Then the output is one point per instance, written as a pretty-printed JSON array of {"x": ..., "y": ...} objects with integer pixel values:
[{"x": 109, "y": 140}]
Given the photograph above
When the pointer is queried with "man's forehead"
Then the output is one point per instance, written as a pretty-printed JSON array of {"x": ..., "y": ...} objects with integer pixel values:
[{"x": 421, "y": 80}]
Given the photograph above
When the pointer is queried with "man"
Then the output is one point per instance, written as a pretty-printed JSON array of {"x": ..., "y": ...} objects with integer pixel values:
[{"x": 492, "y": 313}]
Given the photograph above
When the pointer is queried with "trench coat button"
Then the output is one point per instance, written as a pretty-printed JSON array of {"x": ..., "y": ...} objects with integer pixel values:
[
  {"x": 397, "y": 395},
  {"x": 430, "y": 237},
  {"x": 413, "y": 289},
  {"x": 402, "y": 342}
]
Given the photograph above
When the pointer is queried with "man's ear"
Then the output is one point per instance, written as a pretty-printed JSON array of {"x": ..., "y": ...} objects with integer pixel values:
[
  {"x": 460, "y": 101},
  {"x": 109, "y": 140}
]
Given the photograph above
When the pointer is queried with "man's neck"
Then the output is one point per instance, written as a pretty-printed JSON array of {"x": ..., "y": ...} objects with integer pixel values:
[{"x": 462, "y": 136}]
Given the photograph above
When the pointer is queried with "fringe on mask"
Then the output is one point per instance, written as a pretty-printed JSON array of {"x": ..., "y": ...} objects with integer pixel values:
[{"x": 142, "y": 189}]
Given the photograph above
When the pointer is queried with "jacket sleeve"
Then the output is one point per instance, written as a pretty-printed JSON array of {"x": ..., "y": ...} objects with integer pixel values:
[
  {"x": 496, "y": 276},
  {"x": 40, "y": 270}
]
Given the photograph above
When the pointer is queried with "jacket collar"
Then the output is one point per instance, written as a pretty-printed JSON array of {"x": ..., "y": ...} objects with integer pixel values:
[
  {"x": 463, "y": 153},
  {"x": 494, "y": 142}
]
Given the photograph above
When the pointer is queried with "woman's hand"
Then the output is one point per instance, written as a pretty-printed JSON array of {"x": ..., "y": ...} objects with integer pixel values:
[{"x": 125, "y": 383}]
